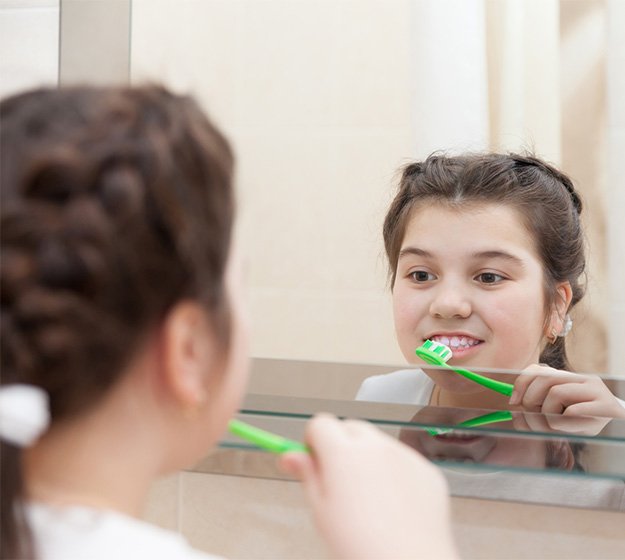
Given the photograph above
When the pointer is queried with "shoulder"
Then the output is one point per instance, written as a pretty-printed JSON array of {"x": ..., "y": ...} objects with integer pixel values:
[
  {"x": 407, "y": 386},
  {"x": 77, "y": 532}
]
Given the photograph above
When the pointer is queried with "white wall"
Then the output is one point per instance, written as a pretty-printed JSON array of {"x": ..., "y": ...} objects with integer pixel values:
[
  {"x": 616, "y": 181},
  {"x": 324, "y": 100},
  {"x": 322, "y": 103},
  {"x": 29, "y": 44},
  {"x": 316, "y": 97}
]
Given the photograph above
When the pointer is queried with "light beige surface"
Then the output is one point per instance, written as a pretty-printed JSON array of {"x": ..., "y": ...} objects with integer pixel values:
[
  {"x": 29, "y": 44},
  {"x": 325, "y": 100},
  {"x": 241, "y": 517},
  {"x": 615, "y": 195},
  {"x": 95, "y": 42}
]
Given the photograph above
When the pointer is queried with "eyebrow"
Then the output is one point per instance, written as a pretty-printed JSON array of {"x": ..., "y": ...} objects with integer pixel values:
[
  {"x": 414, "y": 251},
  {"x": 489, "y": 254}
]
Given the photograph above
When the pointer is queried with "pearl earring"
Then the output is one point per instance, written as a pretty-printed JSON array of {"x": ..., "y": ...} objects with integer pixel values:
[{"x": 568, "y": 325}]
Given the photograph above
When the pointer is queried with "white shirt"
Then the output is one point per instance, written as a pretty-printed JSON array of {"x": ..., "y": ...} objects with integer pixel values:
[
  {"x": 406, "y": 386},
  {"x": 81, "y": 533}
]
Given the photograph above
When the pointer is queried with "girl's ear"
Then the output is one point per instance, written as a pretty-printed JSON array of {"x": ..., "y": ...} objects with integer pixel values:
[
  {"x": 562, "y": 301},
  {"x": 189, "y": 350}
]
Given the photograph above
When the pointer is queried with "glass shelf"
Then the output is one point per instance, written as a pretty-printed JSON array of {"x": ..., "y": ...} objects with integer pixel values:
[{"x": 501, "y": 454}]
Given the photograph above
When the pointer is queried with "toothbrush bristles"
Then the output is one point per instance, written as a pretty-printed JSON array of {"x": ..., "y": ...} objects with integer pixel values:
[{"x": 439, "y": 349}]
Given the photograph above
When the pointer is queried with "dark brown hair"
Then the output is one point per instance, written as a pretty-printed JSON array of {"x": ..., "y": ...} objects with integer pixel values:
[
  {"x": 545, "y": 198},
  {"x": 116, "y": 204}
]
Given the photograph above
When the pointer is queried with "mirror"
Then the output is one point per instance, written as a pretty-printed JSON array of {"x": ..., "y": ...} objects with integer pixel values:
[{"x": 324, "y": 101}]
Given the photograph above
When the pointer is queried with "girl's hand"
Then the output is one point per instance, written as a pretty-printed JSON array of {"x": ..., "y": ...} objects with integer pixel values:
[
  {"x": 372, "y": 497},
  {"x": 548, "y": 390},
  {"x": 582, "y": 425}
]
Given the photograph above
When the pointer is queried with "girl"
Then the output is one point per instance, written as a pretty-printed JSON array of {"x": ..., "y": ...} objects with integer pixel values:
[
  {"x": 124, "y": 343},
  {"x": 486, "y": 255}
]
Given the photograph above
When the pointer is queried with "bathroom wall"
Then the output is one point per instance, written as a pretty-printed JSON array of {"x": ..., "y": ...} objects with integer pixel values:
[
  {"x": 325, "y": 100},
  {"x": 615, "y": 179},
  {"x": 242, "y": 517},
  {"x": 29, "y": 44}
]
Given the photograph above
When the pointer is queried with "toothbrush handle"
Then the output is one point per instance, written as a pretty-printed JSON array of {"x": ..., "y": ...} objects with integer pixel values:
[
  {"x": 483, "y": 420},
  {"x": 262, "y": 438},
  {"x": 493, "y": 385}
]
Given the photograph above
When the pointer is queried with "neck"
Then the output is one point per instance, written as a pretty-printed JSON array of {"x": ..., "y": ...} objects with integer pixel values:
[
  {"x": 105, "y": 459},
  {"x": 483, "y": 399}
]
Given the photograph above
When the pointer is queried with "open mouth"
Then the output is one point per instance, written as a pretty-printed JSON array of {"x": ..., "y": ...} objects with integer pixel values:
[
  {"x": 456, "y": 342},
  {"x": 458, "y": 438}
]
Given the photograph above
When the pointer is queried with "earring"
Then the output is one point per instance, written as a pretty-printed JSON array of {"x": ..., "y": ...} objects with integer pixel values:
[
  {"x": 568, "y": 325},
  {"x": 553, "y": 336}
]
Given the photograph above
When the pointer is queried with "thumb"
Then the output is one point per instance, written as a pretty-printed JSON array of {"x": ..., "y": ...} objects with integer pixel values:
[{"x": 296, "y": 464}]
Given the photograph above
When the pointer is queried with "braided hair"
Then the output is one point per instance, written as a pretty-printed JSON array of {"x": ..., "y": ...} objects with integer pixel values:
[{"x": 116, "y": 204}]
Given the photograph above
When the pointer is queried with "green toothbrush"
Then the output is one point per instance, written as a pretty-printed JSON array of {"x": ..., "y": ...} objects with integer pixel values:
[
  {"x": 262, "y": 438},
  {"x": 437, "y": 354},
  {"x": 483, "y": 420}
]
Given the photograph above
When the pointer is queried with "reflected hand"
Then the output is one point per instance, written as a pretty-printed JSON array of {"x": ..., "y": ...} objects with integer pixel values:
[
  {"x": 372, "y": 497},
  {"x": 550, "y": 391},
  {"x": 582, "y": 425}
]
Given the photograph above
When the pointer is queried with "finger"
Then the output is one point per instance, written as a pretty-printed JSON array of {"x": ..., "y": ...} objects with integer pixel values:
[
  {"x": 323, "y": 432},
  {"x": 537, "y": 422},
  {"x": 531, "y": 374},
  {"x": 562, "y": 395},
  {"x": 519, "y": 422},
  {"x": 356, "y": 428},
  {"x": 297, "y": 464},
  {"x": 537, "y": 391},
  {"x": 585, "y": 409},
  {"x": 523, "y": 381},
  {"x": 587, "y": 425}
]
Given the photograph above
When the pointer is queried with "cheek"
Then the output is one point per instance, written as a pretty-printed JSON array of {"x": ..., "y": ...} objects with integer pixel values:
[
  {"x": 518, "y": 314},
  {"x": 406, "y": 317},
  {"x": 407, "y": 308}
]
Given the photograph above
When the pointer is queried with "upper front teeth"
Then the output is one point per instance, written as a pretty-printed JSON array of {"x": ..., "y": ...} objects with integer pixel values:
[{"x": 456, "y": 341}]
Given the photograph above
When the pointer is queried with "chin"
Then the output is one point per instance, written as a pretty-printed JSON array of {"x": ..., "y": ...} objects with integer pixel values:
[{"x": 456, "y": 384}]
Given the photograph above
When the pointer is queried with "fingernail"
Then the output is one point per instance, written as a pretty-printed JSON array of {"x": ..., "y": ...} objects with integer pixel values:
[{"x": 514, "y": 398}]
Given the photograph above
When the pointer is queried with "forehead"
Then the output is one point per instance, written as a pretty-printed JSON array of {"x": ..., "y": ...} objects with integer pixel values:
[{"x": 474, "y": 227}]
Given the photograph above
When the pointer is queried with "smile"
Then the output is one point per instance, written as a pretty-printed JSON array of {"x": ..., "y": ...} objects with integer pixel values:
[{"x": 456, "y": 342}]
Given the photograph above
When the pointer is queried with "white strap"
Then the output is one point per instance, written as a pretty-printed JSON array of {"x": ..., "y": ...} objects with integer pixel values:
[{"x": 24, "y": 414}]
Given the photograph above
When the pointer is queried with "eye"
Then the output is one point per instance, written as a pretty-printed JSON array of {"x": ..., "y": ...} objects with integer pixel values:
[
  {"x": 421, "y": 276},
  {"x": 489, "y": 278}
]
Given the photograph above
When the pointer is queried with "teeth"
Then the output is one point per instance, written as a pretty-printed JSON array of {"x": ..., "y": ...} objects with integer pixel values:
[{"x": 456, "y": 341}]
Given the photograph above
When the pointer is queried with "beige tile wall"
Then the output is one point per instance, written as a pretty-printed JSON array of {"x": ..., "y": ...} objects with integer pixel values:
[
  {"x": 95, "y": 42},
  {"x": 240, "y": 517},
  {"x": 29, "y": 44},
  {"x": 615, "y": 199},
  {"x": 324, "y": 100}
]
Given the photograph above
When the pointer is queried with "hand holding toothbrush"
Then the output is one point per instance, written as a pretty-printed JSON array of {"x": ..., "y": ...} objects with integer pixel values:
[
  {"x": 541, "y": 388},
  {"x": 372, "y": 497}
]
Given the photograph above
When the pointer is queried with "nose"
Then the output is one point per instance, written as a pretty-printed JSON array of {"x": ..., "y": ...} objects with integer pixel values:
[{"x": 450, "y": 302}]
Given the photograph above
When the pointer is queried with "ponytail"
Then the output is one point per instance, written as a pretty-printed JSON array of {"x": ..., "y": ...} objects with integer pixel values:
[{"x": 16, "y": 539}]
